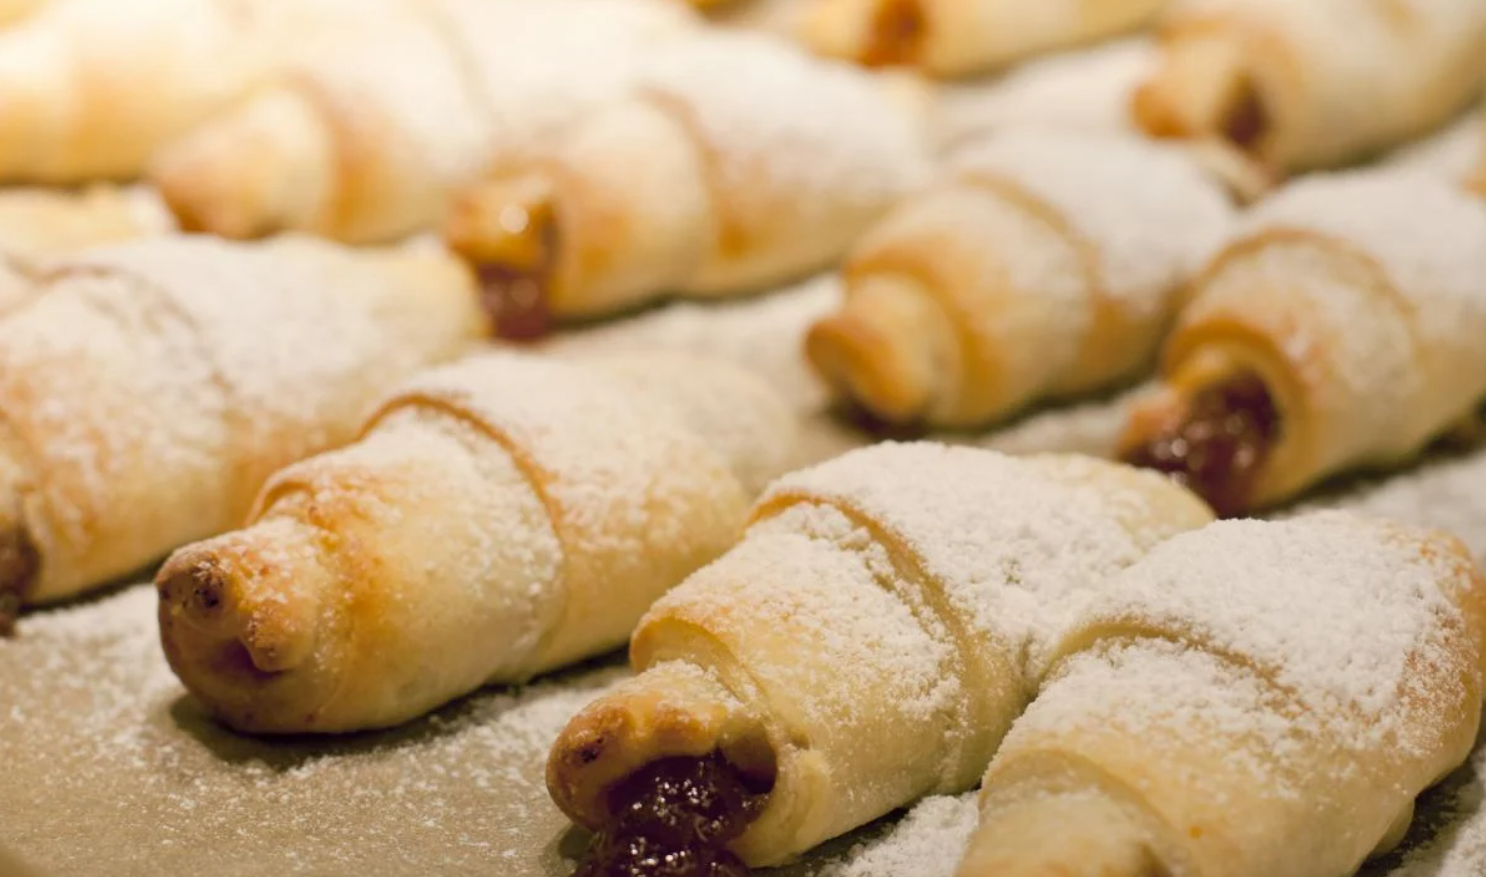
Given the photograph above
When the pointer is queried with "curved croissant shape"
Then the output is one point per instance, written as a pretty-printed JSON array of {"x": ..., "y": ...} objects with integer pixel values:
[
  {"x": 367, "y": 133},
  {"x": 92, "y": 88},
  {"x": 1047, "y": 265},
  {"x": 498, "y": 518},
  {"x": 738, "y": 163},
  {"x": 36, "y": 224},
  {"x": 955, "y": 37},
  {"x": 1340, "y": 330},
  {"x": 152, "y": 387},
  {"x": 896, "y": 593},
  {"x": 1250, "y": 700},
  {"x": 1304, "y": 85}
]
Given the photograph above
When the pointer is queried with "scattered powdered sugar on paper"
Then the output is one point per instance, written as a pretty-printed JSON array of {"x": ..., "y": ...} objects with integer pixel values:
[{"x": 925, "y": 842}]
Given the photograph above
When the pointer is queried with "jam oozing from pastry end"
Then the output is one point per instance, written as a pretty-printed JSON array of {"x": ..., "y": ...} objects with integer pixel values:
[
  {"x": 898, "y": 31},
  {"x": 1220, "y": 446},
  {"x": 1247, "y": 120},
  {"x": 674, "y": 818},
  {"x": 515, "y": 291},
  {"x": 20, "y": 563}
]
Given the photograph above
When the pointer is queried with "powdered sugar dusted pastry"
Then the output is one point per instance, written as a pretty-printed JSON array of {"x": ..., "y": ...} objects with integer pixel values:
[
  {"x": 366, "y": 134},
  {"x": 1340, "y": 329},
  {"x": 152, "y": 388},
  {"x": 954, "y": 37},
  {"x": 738, "y": 163},
  {"x": 1047, "y": 265},
  {"x": 1301, "y": 85},
  {"x": 867, "y": 643},
  {"x": 93, "y": 87},
  {"x": 38, "y": 223},
  {"x": 497, "y": 518},
  {"x": 1284, "y": 729}
]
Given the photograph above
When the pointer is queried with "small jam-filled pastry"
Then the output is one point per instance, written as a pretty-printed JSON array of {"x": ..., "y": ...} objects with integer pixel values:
[
  {"x": 498, "y": 518},
  {"x": 153, "y": 386},
  {"x": 1313, "y": 84},
  {"x": 867, "y": 643},
  {"x": 1342, "y": 329},
  {"x": 365, "y": 136},
  {"x": 739, "y": 162},
  {"x": 955, "y": 37},
  {"x": 91, "y": 88},
  {"x": 1047, "y": 265},
  {"x": 1250, "y": 700}
]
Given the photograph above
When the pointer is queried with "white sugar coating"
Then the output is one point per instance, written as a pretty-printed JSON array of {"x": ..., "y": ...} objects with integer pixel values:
[
  {"x": 1454, "y": 153},
  {"x": 1013, "y": 549},
  {"x": 1455, "y": 845},
  {"x": 788, "y": 126},
  {"x": 17, "y": 285},
  {"x": 541, "y": 65},
  {"x": 1082, "y": 90},
  {"x": 106, "y": 744},
  {"x": 304, "y": 336},
  {"x": 1347, "y": 613},
  {"x": 737, "y": 414},
  {"x": 1150, "y": 213},
  {"x": 926, "y": 842},
  {"x": 1157, "y": 689},
  {"x": 764, "y": 334}
]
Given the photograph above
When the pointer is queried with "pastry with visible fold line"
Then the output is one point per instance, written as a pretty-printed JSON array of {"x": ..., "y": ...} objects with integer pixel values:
[
  {"x": 866, "y": 644},
  {"x": 1315, "y": 84},
  {"x": 497, "y": 518},
  {"x": 365, "y": 135},
  {"x": 1340, "y": 329},
  {"x": 956, "y": 37},
  {"x": 153, "y": 386},
  {"x": 1046, "y": 265},
  {"x": 1253, "y": 699},
  {"x": 738, "y": 162}
]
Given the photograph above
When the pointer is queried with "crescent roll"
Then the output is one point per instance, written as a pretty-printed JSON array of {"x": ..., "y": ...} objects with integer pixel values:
[
  {"x": 956, "y": 37},
  {"x": 497, "y": 519},
  {"x": 1318, "y": 83},
  {"x": 738, "y": 162},
  {"x": 152, "y": 387},
  {"x": 92, "y": 88},
  {"x": 1341, "y": 329},
  {"x": 866, "y": 644},
  {"x": 1047, "y": 265},
  {"x": 367, "y": 134},
  {"x": 1282, "y": 730}
]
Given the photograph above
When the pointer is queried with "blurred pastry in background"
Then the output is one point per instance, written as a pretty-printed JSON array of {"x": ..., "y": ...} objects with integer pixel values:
[
  {"x": 1314, "y": 84},
  {"x": 364, "y": 136},
  {"x": 957, "y": 37},
  {"x": 1046, "y": 265},
  {"x": 1341, "y": 329},
  {"x": 12, "y": 11},
  {"x": 737, "y": 164}
]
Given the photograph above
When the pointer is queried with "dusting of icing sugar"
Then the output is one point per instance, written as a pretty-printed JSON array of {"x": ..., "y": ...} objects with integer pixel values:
[
  {"x": 1012, "y": 548},
  {"x": 108, "y": 745},
  {"x": 806, "y": 143},
  {"x": 1453, "y": 153},
  {"x": 1151, "y": 214},
  {"x": 1083, "y": 90},
  {"x": 926, "y": 842},
  {"x": 1429, "y": 237},
  {"x": 764, "y": 335},
  {"x": 1387, "y": 618}
]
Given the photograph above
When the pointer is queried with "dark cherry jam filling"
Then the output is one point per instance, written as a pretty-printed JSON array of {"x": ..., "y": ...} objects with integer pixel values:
[
  {"x": 674, "y": 818},
  {"x": 19, "y": 564},
  {"x": 1247, "y": 121},
  {"x": 516, "y": 297},
  {"x": 1221, "y": 446},
  {"x": 897, "y": 32}
]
